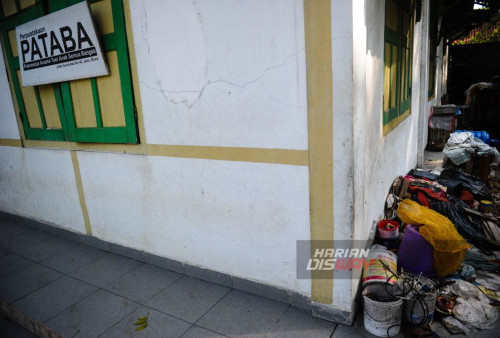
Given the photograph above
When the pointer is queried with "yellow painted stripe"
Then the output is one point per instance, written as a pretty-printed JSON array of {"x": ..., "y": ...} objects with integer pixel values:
[
  {"x": 16, "y": 106},
  {"x": 259, "y": 155},
  {"x": 99, "y": 147},
  {"x": 8, "y": 142},
  {"x": 275, "y": 156},
  {"x": 317, "y": 20},
  {"x": 395, "y": 122},
  {"x": 133, "y": 70},
  {"x": 81, "y": 195}
]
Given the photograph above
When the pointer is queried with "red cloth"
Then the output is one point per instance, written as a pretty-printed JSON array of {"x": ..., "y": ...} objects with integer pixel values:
[
  {"x": 468, "y": 198},
  {"x": 428, "y": 192},
  {"x": 422, "y": 199}
]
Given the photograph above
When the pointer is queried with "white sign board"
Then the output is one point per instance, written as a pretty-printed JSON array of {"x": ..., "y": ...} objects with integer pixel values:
[{"x": 61, "y": 46}]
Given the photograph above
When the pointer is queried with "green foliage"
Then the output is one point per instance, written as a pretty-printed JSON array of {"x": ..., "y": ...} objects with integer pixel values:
[{"x": 489, "y": 32}]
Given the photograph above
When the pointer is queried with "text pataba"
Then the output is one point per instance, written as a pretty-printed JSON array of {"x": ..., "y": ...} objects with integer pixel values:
[{"x": 39, "y": 44}]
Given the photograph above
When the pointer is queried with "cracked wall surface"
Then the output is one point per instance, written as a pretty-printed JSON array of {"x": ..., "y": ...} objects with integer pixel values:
[{"x": 233, "y": 77}]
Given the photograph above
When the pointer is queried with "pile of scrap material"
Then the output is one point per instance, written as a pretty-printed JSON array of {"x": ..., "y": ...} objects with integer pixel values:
[
  {"x": 461, "y": 145},
  {"x": 464, "y": 150},
  {"x": 448, "y": 232}
]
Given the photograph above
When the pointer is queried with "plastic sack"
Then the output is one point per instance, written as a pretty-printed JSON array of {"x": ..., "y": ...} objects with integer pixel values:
[
  {"x": 449, "y": 246},
  {"x": 472, "y": 307},
  {"x": 461, "y": 145}
]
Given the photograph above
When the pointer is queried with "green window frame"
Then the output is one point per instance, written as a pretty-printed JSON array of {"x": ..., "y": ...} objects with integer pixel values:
[
  {"x": 398, "y": 56},
  {"x": 115, "y": 42}
]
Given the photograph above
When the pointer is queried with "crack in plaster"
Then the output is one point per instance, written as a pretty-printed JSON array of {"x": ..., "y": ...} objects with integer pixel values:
[{"x": 208, "y": 83}]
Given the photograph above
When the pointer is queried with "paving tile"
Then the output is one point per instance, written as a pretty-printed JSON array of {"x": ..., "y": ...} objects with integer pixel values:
[
  {"x": 106, "y": 269},
  {"x": 46, "y": 249},
  {"x": 297, "y": 323},
  {"x": 142, "y": 283},
  {"x": 93, "y": 315},
  {"x": 159, "y": 325},
  {"x": 240, "y": 313},
  {"x": 9, "y": 328},
  {"x": 10, "y": 229},
  {"x": 188, "y": 298},
  {"x": 357, "y": 329},
  {"x": 73, "y": 258},
  {"x": 24, "y": 240},
  {"x": 11, "y": 263},
  {"x": 199, "y": 332},
  {"x": 3, "y": 252},
  {"x": 30, "y": 279},
  {"x": 54, "y": 298}
]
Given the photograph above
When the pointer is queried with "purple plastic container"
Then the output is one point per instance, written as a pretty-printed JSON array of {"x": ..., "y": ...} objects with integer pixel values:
[{"x": 415, "y": 254}]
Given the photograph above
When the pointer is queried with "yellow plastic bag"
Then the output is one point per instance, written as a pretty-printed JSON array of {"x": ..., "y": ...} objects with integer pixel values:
[{"x": 439, "y": 231}]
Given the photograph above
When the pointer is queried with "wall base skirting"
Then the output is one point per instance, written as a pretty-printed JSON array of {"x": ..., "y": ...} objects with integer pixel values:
[{"x": 303, "y": 302}]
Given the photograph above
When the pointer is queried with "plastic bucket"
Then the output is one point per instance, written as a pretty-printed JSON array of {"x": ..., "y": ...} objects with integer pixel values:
[
  {"x": 388, "y": 228},
  {"x": 382, "y": 312},
  {"x": 419, "y": 309},
  {"x": 382, "y": 266}
]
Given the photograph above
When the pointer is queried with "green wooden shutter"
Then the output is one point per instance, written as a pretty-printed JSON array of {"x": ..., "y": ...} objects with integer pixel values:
[{"x": 108, "y": 99}]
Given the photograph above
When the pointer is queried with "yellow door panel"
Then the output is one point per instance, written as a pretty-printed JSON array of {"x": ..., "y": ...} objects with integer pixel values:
[
  {"x": 31, "y": 105},
  {"x": 9, "y": 7},
  {"x": 110, "y": 94},
  {"x": 387, "y": 76},
  {"x": 83, "y": 103},
  {"x": 49, "y": 106},
  {"x": 391, "y": 15},
  {"x": 26, "y": 3},
  {"x": 13, "y": 42},
  {"x": 102, "y": 16},
  {"x": 394, "y": 86},
  {"x": 16, "y": 106}
]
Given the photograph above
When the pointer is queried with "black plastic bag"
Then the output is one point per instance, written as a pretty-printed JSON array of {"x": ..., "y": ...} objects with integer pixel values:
[
  {"x": 468, "y": 226},
  {"x": 468, "y": 182},
  {"x": 423, "y": 174}
]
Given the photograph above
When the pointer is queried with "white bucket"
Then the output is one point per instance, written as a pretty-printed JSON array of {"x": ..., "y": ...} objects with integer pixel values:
[
  {"x": 382, "y": 312},
  {"x": 419, "y": 309}
]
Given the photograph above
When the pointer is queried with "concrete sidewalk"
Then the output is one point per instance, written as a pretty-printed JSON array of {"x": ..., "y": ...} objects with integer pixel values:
[{"x": 81, "y": 291}]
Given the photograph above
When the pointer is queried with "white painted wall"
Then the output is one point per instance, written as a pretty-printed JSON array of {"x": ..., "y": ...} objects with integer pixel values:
[
  {"x": 40, "y": 184},
  {"x": 343, "y": 134},
  {"x": 8, "y": 122},
  {"x": 238, "y": 218},
  {"x": 365, "y": 160},
  {"x": 222, "y": 72},
  {"x": 387, "y": 156}
]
